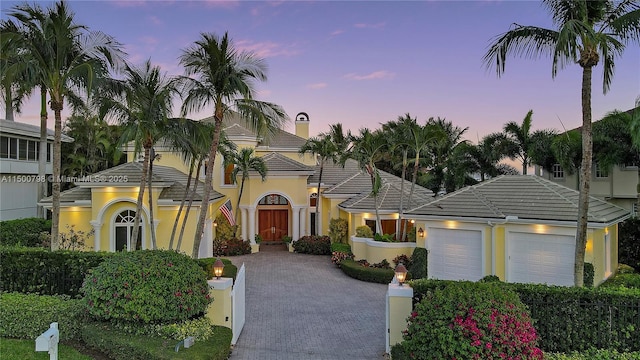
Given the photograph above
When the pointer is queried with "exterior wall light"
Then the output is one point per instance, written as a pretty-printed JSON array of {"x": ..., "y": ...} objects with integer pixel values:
[
  {"x": 421, "y": 232},
  {"x": 401, "y": 273},
  {"x": 218, "y": 267}
]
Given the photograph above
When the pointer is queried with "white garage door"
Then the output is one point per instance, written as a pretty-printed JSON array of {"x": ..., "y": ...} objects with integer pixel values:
[
  {"x": 455, "y": 254},
  {"x": 541, "y": 258}
]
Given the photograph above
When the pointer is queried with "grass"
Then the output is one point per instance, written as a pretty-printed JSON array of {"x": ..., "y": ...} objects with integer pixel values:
[{"x": 14, "y": 349}]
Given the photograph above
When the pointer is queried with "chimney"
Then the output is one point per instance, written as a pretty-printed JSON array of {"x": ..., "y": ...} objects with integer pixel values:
[{"x": 302, "y": 125}]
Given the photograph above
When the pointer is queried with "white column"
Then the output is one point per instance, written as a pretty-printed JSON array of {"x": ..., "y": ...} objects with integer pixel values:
[
  {"x": 303, "y": 221},
  {"x": 296, "y": 222},
  {"x": 97, "y": 225},
  {"x": 252, "y": 224},
  {"x": 206, "y": 245},
  {"x": 156, "y": 222},
  {"x": 243, "y": 217}
]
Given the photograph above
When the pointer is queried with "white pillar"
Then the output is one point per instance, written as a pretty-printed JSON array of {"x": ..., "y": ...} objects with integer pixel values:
[
  {"x": 156, "y": 222},
  {"x": 206, "y": 245},
  {"x": 303, "y": 221},
  {"x": 243, "y": 217},
  {"x": 252, "y": 224},
  {"x": 296, "y": 222},
  {"x": 97, "y": 225}
]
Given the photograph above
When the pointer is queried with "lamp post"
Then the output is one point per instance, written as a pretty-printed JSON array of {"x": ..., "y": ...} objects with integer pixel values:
[
  {"x": 401, "y": 273},
  {"x": 218, "y": 267}
]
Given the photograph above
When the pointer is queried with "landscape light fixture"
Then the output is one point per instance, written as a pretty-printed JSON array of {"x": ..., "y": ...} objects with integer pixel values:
[
  {"x": 401, "y": 273},
  {"x": 218, "y": 267},
  {"x": 420, "y": 232}
]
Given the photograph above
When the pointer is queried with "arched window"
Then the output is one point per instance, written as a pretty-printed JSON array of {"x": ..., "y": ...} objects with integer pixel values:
[
  {"x": 273, "y": 199},
  {"x": 313, "y": 198},
  {"x": 123, "y": 229}
]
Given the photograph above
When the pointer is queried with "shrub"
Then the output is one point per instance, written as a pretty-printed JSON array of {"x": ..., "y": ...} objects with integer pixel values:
[
  {"x": 345, "y": 248},
  {"x": 384, "y": 238},
  {"x": 231, "y": 247},
  {"x": 588, "y": 274},
  {"x": 384, "y": 264},
  {"x": 206, "y": 264},
  {"x": 489, "y": 278},
  {"x": 364, "y": 232},
  {"x": 26, "y": 316},
  {"x": 628, "y": 240},
  {"x": 340, "y": 252},
  {"x": 625, "y": 269},
  {"x": 148, "y": 286},
  {"x": 312, "y": 244},
  {"x": 631, "y": 281},
  {"x": 418, "y": 266},
  {"x": 200, "y": 329},
  {"x": 471, "y": 321},
  {"x": 224, "y": 230},
  {"x": 593, "y": 354},
  {"x": 338, "y": 230},
  {"x": 404, "y": 259},
  {"x": 23, "y": 232},
  {"x": 37, "y": 270},
  {"x": 369, "y": 274}
]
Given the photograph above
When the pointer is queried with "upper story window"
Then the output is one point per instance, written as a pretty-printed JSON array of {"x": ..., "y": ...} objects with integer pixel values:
[
  {"x": 21, "y": 149},
  {"x": 228, "y": 170},
  {"x": 313, "y": 199},
  {"x": 601, "y": 172},
  {"x": 557, "y": 172}
]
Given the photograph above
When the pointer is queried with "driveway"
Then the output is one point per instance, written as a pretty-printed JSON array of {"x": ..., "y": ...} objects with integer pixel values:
[{"x": 303, "y": 307}]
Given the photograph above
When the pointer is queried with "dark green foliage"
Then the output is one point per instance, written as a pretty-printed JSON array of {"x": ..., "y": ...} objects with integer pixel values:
[
  {"x": 339, "y": 252},
  {"x": 123, "y": 346},
  {"x": 315, "y": 245},
  {"x": 630, "y": 281},
  {"x": 588, "y": 274},
  {"x": 345, "y": 248},
  {"x": 489, "y": 278},
  {"x": 404, "y": 259},
  {"x": 147, "y": 286},
  {"x": 384, "y": 238},
  {"x": 629, "y": 242},
  {"x": 468, "y": 320},
  {"x": 418, "y": 267},
  {"x": 26, "y": 316},
  {"x": 45, "y": 272},
  {"x": 206, "y": 264},
  {"x": 369, "y": 274},
  {"x": 24, "y": 232},
  {"x": 231, "y": 247},
  {"x": 593, "y": 354},
  {"x": 572, "y": 319}
]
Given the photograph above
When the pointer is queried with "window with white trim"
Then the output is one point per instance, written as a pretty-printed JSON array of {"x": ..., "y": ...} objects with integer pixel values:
[
  {"x": 600, "y": 172},
  {"x": 557, "y": 172}
]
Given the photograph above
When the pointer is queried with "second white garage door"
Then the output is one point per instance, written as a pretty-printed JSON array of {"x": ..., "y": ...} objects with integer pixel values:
[
  {"x": 455, "y": 254},
  {"x": 541, "y": 258}
]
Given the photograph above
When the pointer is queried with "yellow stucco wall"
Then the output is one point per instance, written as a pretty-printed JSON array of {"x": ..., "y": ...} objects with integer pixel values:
[
  {"x": 499, "y": 252},
  {"x": 78, "y": 219}
]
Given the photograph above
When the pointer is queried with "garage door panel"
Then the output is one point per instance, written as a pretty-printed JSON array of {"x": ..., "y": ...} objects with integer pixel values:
[
  {"x": 455, "y": 254},
  {"x": 541, "y": 258}
]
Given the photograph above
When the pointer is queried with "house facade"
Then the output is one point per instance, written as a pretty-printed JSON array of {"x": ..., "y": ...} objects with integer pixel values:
[{"x": 19, "y": 180}]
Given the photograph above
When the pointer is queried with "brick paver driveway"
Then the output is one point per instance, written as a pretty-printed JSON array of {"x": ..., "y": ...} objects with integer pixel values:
[{"x": 303, "y": 307}]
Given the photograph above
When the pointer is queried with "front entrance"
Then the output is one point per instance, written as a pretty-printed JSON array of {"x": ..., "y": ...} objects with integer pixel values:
[{"x": 273, "y": 224}]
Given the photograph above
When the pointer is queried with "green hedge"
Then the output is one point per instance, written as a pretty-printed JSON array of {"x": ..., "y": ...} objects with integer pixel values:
[
  {"x": 631, "y": 281},
  {"x": 369, "y": 274},
  {"x": 229, "y": 271},
  {"x": 573, "y": 319},
  {"x": 628, "y": 240},
  {"x": 26, "y": 316},
  {"x": 312, "y": 244},
  {"x": 341, "y": 247},
  {"x": 418, "y": 267},
  {"x": 593, "y": 355},
  {"x": 23, "y": 232},
  {"x": 31, "y": 270},
  {"x": 122, "y": 346}
]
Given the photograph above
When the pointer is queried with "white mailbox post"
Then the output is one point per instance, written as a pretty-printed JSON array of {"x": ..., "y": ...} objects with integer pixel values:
[{"x": 48, "y": 341}]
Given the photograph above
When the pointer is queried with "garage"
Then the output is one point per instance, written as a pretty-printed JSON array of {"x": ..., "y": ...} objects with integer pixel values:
[
  {"x": 455, "y": 254},
  {"x": 541, "y": 258}
]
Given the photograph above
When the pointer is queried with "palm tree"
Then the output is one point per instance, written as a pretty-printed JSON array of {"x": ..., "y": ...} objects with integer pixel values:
[
  {"x": 367, "y": 148},
  {"x": 15, "y": 80},
  {"x": 224, "y": 78},
  {"x": 438, "y": 154},
  {"x": 587, "y": 31},
  {"x": 520, "y": 143},
  {"x": 142, "y": 103},
  {"x": 245, "y": 161},
  {"x": 66, "y": 59}
]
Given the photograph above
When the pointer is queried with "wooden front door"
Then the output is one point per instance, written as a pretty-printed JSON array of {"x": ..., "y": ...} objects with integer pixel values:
[{"x": 273, "y": 224}]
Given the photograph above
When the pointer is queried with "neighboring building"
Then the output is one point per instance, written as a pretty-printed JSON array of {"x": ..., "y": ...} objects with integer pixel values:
[
  {"x": 19, "y": 154},
  {"x": 520, "y": 228}
]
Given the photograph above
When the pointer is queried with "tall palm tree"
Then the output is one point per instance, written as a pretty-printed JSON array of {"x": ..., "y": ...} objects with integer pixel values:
[
  {"x": 586, "y": 31},
  {"x": 324, "y": 150},
  {"x": 142, "y": 103},
  {"x": 439, "y": 152},
  {"x": 16, "y": 81},
  {"x": 243, "y": 162},
  {"x": 367, "y": 148},
  {"x": 520, "y": 143},
  {"x": 67, "y": 57},
  {"x": 223, "y": 78}
]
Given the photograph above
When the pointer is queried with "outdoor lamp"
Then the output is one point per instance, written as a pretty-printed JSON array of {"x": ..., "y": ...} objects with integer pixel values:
[
  {"x": 218, "y": 266},
  {"x": 420, "y": 232},
  {"x": 401, "y": 273}
]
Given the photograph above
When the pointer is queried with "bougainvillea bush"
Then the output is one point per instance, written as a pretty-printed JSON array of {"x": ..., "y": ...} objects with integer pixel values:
[
  {"x": 470, "y": 321},
  {"x": 147, "y": 286}
]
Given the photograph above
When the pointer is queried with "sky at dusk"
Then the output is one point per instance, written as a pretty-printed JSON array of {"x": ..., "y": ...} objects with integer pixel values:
[{"x": 362, "y": 63}]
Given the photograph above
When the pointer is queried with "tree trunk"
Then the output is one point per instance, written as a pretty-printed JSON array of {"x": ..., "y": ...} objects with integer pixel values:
[
  {"x": 184, "y": 199},
  {"x": 318, "y": 197},
  {"x": 585, "y": 177},
  {"x": 55, "y": 207},
  {"x": 8, "y": 103},
  {"x": 143, "y": 178},
  {"x": 238, "y": 203},
  {"x": 152, "y": 155},
  {"x": 525, "y": 163},
  {"x": 42, "y": 158},
  {"x": 191, "y": 196},
  {"x": 204, "y": 209},
  {"x": 414, "y": 179},
  {"x": 399, "y": 227}
]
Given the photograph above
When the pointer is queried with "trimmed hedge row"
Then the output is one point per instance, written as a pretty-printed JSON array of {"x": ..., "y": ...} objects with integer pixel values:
[
  {"x": 369, "y": 274},
  {"x": 23, "y": 232},
  {"x": 312, "y": 244},
  {"x": 40, "y": 271},
  {"x": 121, "y": 346},
  {"x": 26, "y": 316},
  {"x": 573, "y": 319},
  {"x": 593, "y": 354}
]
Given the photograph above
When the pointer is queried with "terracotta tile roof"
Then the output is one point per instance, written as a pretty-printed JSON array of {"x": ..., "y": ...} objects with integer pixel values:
[{"x": 524, "y": 196}]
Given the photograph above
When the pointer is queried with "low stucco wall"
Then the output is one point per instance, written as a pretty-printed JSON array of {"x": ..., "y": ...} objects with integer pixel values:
[{"x": 375, "y": 251}]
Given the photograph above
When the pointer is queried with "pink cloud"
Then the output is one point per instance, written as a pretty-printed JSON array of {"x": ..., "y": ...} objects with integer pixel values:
[
  {"x": 382, "y": 74},
  {"x": 370, "y": 26},
  {"x": 266, "y": 49},
  {"x": 317, "y": 86},
  {"x": 336, "y": 32}
]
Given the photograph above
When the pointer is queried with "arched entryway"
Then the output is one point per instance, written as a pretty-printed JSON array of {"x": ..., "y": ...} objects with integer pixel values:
[{"x": 273, "y": 217}]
